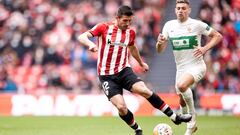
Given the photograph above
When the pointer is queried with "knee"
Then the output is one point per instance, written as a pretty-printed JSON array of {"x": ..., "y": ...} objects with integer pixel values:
[
  {"x": 122, "y": 108},
  {"x": 141, "y": 89},
  {"x": 182, "y": 87},
  {"x": 146, "y": 93}
]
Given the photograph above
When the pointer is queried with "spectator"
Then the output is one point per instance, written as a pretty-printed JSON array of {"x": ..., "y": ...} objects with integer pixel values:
[
  {"x": 223, "y": 61},
  {"x": 6, "y": 84}
]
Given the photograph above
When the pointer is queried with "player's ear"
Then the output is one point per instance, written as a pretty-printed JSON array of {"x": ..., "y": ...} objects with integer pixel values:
[
  {"x": 190, "y": 10},
  {"x": 117, "y": 18}
]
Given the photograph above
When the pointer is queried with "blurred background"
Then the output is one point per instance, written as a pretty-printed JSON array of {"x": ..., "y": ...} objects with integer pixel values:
[{"x": 42, "y": 63}]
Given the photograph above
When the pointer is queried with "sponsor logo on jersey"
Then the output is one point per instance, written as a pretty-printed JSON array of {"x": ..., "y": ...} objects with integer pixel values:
[
  {"x": 109, "y": 42},
  {"x": 184, "y": 42}
]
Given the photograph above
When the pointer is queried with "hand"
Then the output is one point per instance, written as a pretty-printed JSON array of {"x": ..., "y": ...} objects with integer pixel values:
[
  {"x": 161, "y": 39},
  {"x": 93, "y": 48},
  {"x": 145, "y": 67},
  {"x": 199, "y": 52}
]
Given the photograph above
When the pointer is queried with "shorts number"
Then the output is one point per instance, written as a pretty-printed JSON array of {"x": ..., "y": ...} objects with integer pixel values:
[{"x": 105, "y": 87}]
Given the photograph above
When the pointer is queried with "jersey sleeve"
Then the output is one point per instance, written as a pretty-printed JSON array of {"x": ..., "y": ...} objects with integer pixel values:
[
  {"x": 98, "y": 29},
  {"x": 165, "y": 30},
  {"x": 132, "y": 37},
  {"x": 205, "y": 29}
]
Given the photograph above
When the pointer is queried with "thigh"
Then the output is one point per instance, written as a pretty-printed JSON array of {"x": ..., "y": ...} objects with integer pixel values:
[
  {"x": 127, "y": 78},
  {"x": 141, "y": 88},
  {"x": 184, "y": 79},
  {"x": 110, "y": 86},
  {"x": 190, "y": 74},
  {"x": 198, "y": 71}
]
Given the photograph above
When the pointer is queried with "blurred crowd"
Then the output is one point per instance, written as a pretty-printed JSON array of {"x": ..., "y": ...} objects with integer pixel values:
[
  {"x": 39, "y": 51},
  {"x": 223, "y": 61}
]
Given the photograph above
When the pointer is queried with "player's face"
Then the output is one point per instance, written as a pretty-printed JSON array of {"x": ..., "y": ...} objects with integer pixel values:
[
  {"x": 182, "y": 11},
  {"x": 124, "y": 22}
]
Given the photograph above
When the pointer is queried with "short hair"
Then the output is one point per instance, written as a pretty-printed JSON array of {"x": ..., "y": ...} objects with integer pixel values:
[
  {"x": 182, "y": 1},
  {"x": 124, "y": 10}
]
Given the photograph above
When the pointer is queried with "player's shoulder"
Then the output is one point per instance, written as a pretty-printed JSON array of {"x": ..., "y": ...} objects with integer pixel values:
[
  {"x": 109, "y": 23},
  {"x": 104, "y": 24},
  {"x": 171, "y": 23},
  {"x": 196, "y": 21},
  {"x": 132, "y": 31}
]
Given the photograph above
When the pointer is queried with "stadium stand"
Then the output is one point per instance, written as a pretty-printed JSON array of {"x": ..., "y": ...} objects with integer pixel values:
[{"x": 223, "y": 61}]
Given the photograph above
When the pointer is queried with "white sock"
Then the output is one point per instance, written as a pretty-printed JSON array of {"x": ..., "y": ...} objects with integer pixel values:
[
  {"x": 188, "y": 98},
  {"x": 139, "y": 128},
  {"x": 184, "y": 109},
  {"x": 173, "y": 116}
]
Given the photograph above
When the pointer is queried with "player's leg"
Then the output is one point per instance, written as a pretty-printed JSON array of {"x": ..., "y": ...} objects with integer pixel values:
[
  {"x": 183, "y": 106},
  {"x": 185, "y": 78},
  {"x": 186, "y": 100},
  {"x": 131, "y": 82},
  {"x": 125, "y": 114},
  {"x": 114, "y": 93},
  {"x": 183, "y": 86},
  {"x": 141, "y": 89}
]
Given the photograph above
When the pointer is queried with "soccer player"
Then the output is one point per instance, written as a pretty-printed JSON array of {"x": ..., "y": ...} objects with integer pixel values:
[
  {"x": 185, "y": 35},
  {"x": 115, "y": 73}
]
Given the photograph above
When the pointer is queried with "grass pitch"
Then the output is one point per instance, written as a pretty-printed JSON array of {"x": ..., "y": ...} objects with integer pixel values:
[{"x": 208, "y": 125}]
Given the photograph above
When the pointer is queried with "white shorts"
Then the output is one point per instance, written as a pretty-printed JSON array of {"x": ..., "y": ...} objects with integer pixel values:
[{"x": 196, "y": 70}]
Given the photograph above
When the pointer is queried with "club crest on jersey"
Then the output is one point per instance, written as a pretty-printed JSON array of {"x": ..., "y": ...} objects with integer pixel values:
[{"x": 109, "y": 42}]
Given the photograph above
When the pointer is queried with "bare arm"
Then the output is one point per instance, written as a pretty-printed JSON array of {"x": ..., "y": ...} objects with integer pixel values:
[
  {"x": 84, "y": 39},
  {"x": 135, "y": 53},
  {"x": 161, "y": 43},
  {"x": 216, "y": 37}
]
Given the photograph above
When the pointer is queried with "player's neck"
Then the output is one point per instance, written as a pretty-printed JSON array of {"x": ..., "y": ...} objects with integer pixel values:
[{"x": 183, "y": 21}]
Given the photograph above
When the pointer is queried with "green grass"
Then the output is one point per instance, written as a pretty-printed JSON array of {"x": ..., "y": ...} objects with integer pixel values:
[{"x": 219, "y": 125}]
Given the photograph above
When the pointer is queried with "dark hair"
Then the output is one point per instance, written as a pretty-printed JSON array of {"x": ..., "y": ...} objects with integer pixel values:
[
  {"x": 124, "y": 10},
  {"x": 182, "y": 1}
]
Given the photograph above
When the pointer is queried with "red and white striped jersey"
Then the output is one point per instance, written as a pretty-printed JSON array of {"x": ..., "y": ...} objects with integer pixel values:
[{"x": 112, "y": 47}]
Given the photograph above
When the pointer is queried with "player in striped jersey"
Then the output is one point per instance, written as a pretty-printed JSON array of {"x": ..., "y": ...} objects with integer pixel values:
[
  {"x": 115, "y": 73},
  {"x": 185, "y": 34}
]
